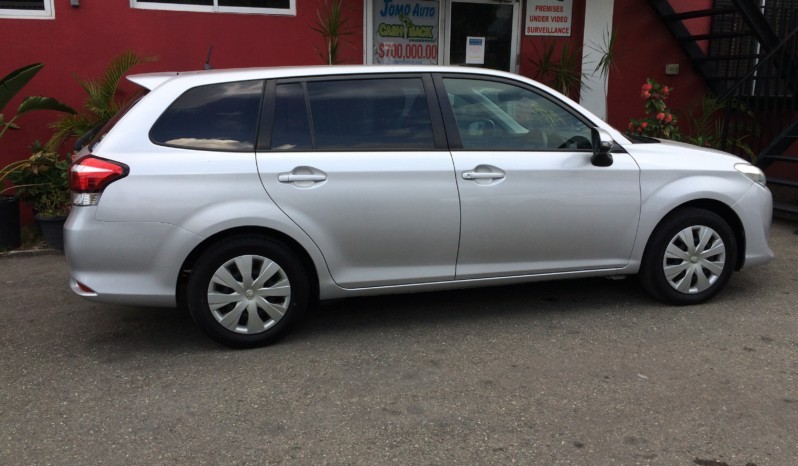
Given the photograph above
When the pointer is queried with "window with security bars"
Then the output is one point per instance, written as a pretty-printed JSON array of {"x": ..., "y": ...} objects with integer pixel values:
[
  {"x": 26, "y": 8},
  {"x": 275, "y": 7}
]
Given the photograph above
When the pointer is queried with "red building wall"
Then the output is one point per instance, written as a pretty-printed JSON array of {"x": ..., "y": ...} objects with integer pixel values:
[
  {"x": 81, "y": 41},
  {"x": 645, "y": 46}
]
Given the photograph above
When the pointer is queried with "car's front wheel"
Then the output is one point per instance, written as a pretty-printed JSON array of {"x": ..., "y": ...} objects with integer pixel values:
[
  {"x": 247, "y": 291},
  {"x": 689, "y": 258}
]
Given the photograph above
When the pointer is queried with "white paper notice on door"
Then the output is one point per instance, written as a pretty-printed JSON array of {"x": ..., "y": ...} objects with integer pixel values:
[{"x": 475, "y": 50}]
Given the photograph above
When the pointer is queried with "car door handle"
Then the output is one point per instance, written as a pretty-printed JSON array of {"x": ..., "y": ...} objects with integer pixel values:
[
  {"x": 293, "y": 177},
  {"x": 472, "y": 175}
]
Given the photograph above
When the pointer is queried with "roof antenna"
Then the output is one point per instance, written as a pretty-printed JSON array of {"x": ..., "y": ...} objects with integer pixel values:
[{"x": 208, "y": 60}]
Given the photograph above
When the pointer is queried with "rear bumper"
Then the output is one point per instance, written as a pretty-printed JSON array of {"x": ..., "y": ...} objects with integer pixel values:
[{"x": 135, "y": 263}]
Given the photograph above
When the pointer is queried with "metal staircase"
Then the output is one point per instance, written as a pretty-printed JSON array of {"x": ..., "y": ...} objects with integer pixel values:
[{"x": 747, "y": 51}]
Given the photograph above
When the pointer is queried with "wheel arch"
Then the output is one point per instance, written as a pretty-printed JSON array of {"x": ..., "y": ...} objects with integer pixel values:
[
  {"x": 209, "y": 242},
  {"x": 719, "y": 208}
]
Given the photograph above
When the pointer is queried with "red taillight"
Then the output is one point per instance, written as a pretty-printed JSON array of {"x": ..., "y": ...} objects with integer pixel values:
[{"x": 92, "y": 174}]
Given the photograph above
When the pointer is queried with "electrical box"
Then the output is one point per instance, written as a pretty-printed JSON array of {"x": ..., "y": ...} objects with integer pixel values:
[{"x": 672, "y": 69}]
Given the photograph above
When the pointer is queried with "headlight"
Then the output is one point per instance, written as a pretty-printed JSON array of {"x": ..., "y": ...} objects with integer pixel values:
[{"x": 752, "y": 172}]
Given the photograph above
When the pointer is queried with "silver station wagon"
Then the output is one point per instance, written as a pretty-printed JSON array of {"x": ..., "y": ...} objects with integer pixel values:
[{"x": 249, "y": 195}]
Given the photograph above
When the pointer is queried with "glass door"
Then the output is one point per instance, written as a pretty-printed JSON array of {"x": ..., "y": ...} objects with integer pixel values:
[{"x": 482, "y": 33}]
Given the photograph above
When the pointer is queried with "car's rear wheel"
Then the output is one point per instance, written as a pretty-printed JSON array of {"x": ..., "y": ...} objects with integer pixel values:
[
  {"x": 689, "y": 258},
  {"x": 247, "y": 291}
]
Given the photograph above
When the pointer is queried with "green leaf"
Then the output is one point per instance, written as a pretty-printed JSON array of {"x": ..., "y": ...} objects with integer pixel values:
[
  {"x": 102, "y": 101},
  {"x": 11, "y": 84},
  {"x": 42, "y": 103}
]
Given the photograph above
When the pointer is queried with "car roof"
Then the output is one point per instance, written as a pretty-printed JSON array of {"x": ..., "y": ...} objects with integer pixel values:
[
  {"x": 180, "y": 81},
  {"x": 153, "y": 80}
]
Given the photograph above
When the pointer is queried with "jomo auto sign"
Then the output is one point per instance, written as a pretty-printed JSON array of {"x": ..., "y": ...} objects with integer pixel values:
[{"x": 406, "y": 32}]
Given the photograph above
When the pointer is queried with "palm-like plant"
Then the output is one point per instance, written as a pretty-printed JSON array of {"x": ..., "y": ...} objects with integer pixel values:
[
  {"x": 10, "y": 86},
  {"x": 101, "y": 103},
  {"x": 607, "y": 62},
  {"x": 12, "y": 83},
  {"x": 560, "y": 72},
  {"x": 705, "y": 125},
  {"x": 332, "y": 25}
]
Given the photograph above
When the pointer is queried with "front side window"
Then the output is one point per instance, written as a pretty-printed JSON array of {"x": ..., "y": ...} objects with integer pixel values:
[
  {"x": 363, "y": 114},
  {"x": 274, "y": 7},
  {"x": 26, "y": 8},
  {"x": 497, "y": 116},
  {"x": 221, "y": 117}
]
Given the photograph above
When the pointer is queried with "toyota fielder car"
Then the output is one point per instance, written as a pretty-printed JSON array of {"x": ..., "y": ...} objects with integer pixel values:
[{"x": 249, "y": 195}]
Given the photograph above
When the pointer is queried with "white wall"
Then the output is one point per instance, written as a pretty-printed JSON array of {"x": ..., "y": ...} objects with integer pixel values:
[{"x": 598, "y": 20}]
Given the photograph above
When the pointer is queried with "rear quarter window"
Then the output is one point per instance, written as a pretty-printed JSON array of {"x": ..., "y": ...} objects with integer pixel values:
[
  {"x": 221, "y": 117},
  {"x": 371, "y": 114}
]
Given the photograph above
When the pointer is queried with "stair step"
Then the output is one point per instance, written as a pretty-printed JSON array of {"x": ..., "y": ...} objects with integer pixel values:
[
  {"x": 738, "y": 78},
  {"x": 786, "y": 207},
  {"x": 783, "y": 182},
  {"x": 730, "y": 57},
  {"x": 779, "y": 158},
  {"x": 698, "y": 14},
  {"x": 715, "y": 35}
]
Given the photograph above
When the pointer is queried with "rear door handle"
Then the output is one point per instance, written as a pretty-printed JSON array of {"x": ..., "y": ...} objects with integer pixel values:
[
  {"x": 472, "y": 175},
  {"x": 303, "y": 177}
]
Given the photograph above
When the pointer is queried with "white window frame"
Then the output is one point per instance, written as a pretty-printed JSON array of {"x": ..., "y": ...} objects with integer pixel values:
[
  {"x": 47, "y": 13},
  {"x": 215, "y": 8}
]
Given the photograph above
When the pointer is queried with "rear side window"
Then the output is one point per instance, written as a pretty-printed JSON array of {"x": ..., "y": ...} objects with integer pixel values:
[
  {"x": 221, "y": 117},
  {"x": 363, "y": 114},
  {"x": 291, "y": 130}
]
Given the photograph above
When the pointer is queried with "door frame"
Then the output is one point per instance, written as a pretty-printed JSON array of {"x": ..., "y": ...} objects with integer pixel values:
[
  {"x": 514, "y": 37},
  {"x": 444, "y": 28}
]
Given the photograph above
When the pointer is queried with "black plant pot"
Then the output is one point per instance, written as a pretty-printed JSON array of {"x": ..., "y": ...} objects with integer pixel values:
[
  {"x": 10, "y": 237},
  {"x": 52, "y": 229}
]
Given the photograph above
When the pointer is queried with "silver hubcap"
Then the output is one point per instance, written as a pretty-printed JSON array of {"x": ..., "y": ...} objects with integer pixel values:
[
  {"x": 694, "y": 259},
  {"x": 249, "y": 294}
]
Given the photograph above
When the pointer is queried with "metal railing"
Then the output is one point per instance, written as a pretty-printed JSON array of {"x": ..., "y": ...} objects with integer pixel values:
[{"x": 762, "y": 106}]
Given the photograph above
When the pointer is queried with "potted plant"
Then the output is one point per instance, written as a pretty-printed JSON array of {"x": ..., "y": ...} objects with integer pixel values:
[
  {"x": 10, "y": 85},
  {"x": 41, "y": 182}
]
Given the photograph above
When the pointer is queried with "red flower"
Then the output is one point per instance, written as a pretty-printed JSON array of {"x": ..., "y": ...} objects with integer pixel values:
[
  {"x": 647, "y": 87},
  {"x": 644, "y": 125},
  {"x": 631, "y": 126},
  {"x": 669, "y": 118},
  {"x": 646, "y": 94},
  {"x": 660, "y": 116},
  {"x": 665, "y": 90}
]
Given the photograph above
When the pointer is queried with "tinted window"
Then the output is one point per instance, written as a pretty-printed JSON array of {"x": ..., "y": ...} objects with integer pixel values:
[
  {"x": 498, "y": 116},
  {"x": 291, "y": 130},
  {"x": 214, "y": 117},
  {"x": 370, "y": 114}
]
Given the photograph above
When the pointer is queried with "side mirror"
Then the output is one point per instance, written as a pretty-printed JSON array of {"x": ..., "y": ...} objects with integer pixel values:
[{"x": 602, "y": 145}]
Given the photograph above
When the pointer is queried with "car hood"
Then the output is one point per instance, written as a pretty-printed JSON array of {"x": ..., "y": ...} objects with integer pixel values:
[{"x": 680, "y": 155}]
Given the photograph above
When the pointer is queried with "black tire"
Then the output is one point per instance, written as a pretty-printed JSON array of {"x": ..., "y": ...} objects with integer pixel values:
[
  {"x": 701, "y": 269},
  {"x": 257, "y": 313}
]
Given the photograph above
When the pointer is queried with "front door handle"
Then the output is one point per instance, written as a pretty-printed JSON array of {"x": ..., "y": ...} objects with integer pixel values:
[
  {"x": 484, "y": 174},
  {"x": 472, "y": 175}
]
